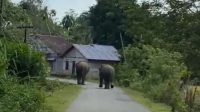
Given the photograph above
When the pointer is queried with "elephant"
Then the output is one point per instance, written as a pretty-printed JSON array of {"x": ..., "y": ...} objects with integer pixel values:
[
  {"x": 106, "y": 75},
  {"x": 82, "y": 68}
]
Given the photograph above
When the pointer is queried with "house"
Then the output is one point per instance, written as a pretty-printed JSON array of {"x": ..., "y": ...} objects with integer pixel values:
[
  {"x": 63, "y": 56},
  {"x": 94, "y": 54},
  {"x": 54, "y": 48}
]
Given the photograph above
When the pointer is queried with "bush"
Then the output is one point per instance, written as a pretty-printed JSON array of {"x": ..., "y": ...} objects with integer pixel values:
[
  {"x": 155, "y": 71},
  {"x": 51, "y": 86},
  {"x": 125, "y": 76},
  {"x": 18, "y": 62},
  {"x": 15, "y": 97},
  {"x": 25, "y": 63},
  {"x": 3, "y": 63}
]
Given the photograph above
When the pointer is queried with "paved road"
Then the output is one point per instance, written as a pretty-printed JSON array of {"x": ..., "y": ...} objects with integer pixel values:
[{"x": 94, "y": 99}]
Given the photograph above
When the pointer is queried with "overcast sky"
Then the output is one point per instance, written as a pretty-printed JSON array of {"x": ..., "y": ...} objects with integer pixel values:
[{"x": 62, "y": 6}]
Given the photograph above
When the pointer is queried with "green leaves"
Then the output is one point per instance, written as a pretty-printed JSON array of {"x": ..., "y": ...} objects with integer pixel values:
[
  {"x": 17, "y": 97},
  {"x": 24, "y": 62},
  {"x": 155, "y": 71}
]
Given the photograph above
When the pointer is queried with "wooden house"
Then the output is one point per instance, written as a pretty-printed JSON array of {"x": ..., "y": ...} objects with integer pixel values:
[
  {"x": 94, "y": 54},
  {"x": 63, "y": 56}
]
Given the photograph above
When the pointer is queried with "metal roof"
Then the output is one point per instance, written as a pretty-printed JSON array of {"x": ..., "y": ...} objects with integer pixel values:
[
  {"x": 98, "y": 52},
  {"x": 50, "y": 44}
]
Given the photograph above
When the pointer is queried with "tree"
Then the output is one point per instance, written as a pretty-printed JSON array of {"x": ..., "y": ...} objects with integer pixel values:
[
  {"x": 77, "y": 29},
  {"x": 182, "y": 31},
  {"x": 110, "y": 19},
  {"x": 106, "y": 20},
  {"x": 69, "y": 20}
]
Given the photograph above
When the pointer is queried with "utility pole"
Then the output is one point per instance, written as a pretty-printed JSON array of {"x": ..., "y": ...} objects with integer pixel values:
[
  {"x": 25, "y": 27},
  {"x": 122, "y": 43},
  {"x": 1, "y": 13}
]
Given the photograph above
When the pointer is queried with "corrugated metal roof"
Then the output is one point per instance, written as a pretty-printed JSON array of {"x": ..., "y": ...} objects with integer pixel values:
[{"x": 98, "y": 52}]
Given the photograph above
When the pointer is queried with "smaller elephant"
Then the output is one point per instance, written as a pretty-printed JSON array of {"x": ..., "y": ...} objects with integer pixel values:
[
  {"x": 82, "y": 68},
  {"x": 106, "y": 75}
]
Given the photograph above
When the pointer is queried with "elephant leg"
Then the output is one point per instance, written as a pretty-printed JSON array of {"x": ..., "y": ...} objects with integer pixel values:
[
  {"x": 107, "y": 83},
  {"x": 78, "y": 79},
  {"x": 83, "y": 80},
  {"x": 100, "y": 81},
  {"x": 111, "y": 82}
]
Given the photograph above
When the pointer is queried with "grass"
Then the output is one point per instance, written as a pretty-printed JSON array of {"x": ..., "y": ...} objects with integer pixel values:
[
  {"x": 197, "y": 99},
  {"x": 61, "y": 99},
  {"x": 140, "y": 98}
]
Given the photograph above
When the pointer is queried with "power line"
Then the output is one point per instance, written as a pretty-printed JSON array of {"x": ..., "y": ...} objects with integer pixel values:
[{"x": 25, "y": 27}]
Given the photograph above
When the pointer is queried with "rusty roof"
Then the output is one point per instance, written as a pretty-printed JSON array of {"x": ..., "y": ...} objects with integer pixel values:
[{"x": 57, "y": 43}]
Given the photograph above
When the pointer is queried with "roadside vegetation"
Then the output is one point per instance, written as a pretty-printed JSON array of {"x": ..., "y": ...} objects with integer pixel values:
[
  {"x": 23, "y": 84},
  {"x": 158, "y": 74},
  {"x": 60, "y": 95},
  {"x": 22, "y": 69},
  {"x": 159, "y": 43},
  {"x": 23, "y": 87},
  {"x": 143, "y": 99}
]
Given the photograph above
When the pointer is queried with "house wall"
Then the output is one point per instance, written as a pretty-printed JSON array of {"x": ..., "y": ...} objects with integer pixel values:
[
  {"x": 58, "y": 67},
  {"x": 75, "y": 56}
]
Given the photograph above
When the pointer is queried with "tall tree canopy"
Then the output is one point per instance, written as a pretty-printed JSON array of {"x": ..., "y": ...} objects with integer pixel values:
[{"x": 170, "y": 24}]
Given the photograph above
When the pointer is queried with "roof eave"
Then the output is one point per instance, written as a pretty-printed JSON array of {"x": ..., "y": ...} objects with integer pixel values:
[{"x": 103, "y": 60}]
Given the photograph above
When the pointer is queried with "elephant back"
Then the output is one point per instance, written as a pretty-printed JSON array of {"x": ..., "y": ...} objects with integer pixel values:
[
  {"x": 107, "y": 69},
  {"x": 82, "y": 67}
]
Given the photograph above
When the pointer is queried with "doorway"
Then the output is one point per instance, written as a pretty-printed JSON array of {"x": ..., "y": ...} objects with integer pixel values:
[{"x": 73, "y": 68}]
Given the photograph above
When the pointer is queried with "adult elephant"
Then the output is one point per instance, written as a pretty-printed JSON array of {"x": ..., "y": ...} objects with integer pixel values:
[
  {"x": 106, "y": 75},
  {"x": 82, "y": 69}
]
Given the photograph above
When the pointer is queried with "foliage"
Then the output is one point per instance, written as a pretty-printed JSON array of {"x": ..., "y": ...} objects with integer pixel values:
[
  {"x": 51, "y": 86},
  {"x": 152, "y": 28},
  {"x": 25, "y": 62},
  {"x": 69, "y": 20},
  {"x": 3, "y": 61},
  {"x": 156, "y": 71},
  {"x": 77, "y": 29},
  {"x": 106, "y": 19},
  {"x": 167, "y": 24},
  {"x": 62, "y": 95},
  {"x": 142, "y": 98},
  {"x": 28, "y": 12},
  {"x": 15, "y": 97}
]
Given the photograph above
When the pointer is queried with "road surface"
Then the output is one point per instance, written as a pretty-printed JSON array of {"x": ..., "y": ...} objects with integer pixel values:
[{"x": 95, "y": 99}]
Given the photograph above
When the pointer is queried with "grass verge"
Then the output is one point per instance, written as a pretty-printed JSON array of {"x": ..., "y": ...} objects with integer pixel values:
[
  {"x": 60, "y": 99},
  {"x": 149, "y": 104},
  {"x": 197, "y": 97}
]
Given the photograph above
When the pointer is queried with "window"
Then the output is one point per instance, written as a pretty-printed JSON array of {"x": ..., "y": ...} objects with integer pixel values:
[
  {"x": 66, "y": 65},
  {"x": 51, "y": 64}
]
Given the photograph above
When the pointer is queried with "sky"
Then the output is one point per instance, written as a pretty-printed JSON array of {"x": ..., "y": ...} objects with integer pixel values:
[{"x": 63, "y": 6}]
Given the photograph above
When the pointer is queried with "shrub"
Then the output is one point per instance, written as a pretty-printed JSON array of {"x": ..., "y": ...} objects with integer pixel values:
[
  {"x": 156, "y": 71},
  {"x": 3, "y": 63},
  {"x": 164, "y": 66},
  {"x": 125, "y": 76},
  {"x": 18, "y": 62},
  {"x": 15, "y": 97},
  {"x": 25, "y": 62},
  {"x": 51, "y": 86}
]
